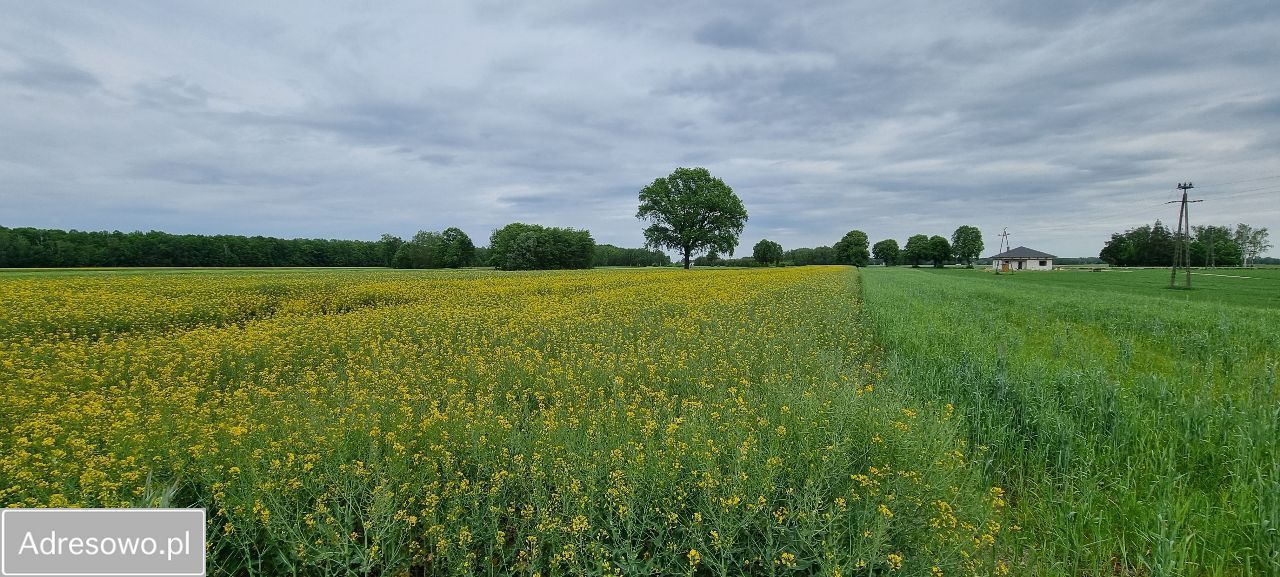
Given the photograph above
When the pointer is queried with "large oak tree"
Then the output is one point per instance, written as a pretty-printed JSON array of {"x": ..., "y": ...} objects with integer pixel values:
[
  {"x": 852, "y": 249},
  {"x": 691, "y": 211}
]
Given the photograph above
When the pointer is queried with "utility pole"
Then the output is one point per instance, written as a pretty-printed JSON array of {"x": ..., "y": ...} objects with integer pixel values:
[
  {"x": 1182, "y": 238},
  {"x": 1004, "y": 246}
]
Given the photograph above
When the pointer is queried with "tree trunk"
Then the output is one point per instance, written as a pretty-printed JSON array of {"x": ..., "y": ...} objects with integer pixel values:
[{"x": 686, "y": 259}]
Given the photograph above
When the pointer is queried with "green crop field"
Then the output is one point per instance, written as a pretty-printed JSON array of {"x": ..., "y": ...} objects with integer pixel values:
[
  {"x": 1135, "y": 427},
  {"x": 1258, "y": 287}
]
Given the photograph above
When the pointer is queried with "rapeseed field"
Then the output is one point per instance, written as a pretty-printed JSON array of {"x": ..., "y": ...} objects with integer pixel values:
[{"x": 394, "y": 422}]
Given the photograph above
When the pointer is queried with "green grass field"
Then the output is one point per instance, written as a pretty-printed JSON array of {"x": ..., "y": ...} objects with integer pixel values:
[
  {"x": 1136, "y": 427},
  {"x": 1258, "y": 287}
]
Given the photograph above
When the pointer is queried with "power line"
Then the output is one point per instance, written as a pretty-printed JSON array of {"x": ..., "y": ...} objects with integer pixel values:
[
  {"x": 1123, "y": 222},
  {"x": 1272, "y": 188},
  {"x": 1272, "y": 177}
]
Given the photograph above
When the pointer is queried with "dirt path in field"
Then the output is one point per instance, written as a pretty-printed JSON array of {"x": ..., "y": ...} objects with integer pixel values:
[{"x": 1223, "y": 275}]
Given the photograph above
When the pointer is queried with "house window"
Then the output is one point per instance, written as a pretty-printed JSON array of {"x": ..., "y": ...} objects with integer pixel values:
[{"x": 1041, "y": 263}]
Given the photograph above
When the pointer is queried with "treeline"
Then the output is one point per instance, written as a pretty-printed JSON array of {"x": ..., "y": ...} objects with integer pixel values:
[
  {"x": 1077, "y": 260},
  {"x": 517, "y": 246},
  {"x": 853, "y": 248},
  {"x": 35, "y": 247},
  {"x": 1153, "y": 245},
  {"x": 964, "y": 247},
  {"x": 609, "y": 255}
]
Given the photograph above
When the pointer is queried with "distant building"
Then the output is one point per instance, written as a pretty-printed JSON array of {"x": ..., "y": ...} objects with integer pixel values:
[{"x": 1022, "y": 258}]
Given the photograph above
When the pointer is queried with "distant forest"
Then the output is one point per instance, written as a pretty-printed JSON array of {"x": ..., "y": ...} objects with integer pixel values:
[
  {"x": 34, "y": 247},
  {"x": 1153, "y": 245},
  {"x": 52, "y": 248}
]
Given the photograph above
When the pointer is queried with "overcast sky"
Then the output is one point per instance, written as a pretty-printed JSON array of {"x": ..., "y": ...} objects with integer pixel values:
[{"x": 1063, "y": 121}]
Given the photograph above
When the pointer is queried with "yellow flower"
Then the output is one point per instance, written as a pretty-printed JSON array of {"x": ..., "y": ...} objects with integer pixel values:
[{"x": 997, "y": 497}]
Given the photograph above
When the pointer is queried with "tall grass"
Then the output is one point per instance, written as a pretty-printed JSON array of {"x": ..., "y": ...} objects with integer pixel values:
[{"x": 1137, "y": 433}]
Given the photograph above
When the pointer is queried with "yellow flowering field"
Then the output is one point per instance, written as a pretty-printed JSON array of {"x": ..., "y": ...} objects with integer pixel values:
[{"x": 473, "y": 422}]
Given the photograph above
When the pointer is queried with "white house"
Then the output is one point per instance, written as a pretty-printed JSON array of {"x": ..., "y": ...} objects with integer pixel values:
[{"x": 1022, "y": 258}]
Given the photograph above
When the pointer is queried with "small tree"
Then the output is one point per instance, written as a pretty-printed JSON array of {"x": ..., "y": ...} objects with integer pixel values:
[
  {"x": 1252, "y": 241},
  {"x": 887, "y": 252},
  {"x": 917, "y": 250},
  {"x": 852, "y": 249},
  {"x": 939, "y": 250},
  {"x": 691, "y": 211},
  {"x": 767, "y": 252},
  {"x": 966, "y": 243}
]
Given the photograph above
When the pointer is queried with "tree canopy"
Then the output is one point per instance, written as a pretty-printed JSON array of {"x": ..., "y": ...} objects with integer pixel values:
[
  {"x": 886, "y": 251},
  {"x": 852, "y": 249},
  {"x": 1251, "y": 241},
  {"x": 939, "y": 250},
  {"x": 520, "y": 246},
  {"x": 966, "y": 244},
  {"x": 1215, "y": 246},
  {"x": 917, "y": 250},
  {"x": 457, "y": 250},
  {"x": 691, "y": 211},
  {"x": 1147, "y": 245},
  {"x": 449, "y": 249},
  {"x": 767, "y": 252}
]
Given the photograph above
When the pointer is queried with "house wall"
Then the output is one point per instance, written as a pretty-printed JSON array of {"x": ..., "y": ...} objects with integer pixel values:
[{"x": 1031, "y": 264}]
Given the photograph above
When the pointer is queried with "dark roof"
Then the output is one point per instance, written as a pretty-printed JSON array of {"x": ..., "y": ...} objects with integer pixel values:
[{"x": 1021, "y": 252}]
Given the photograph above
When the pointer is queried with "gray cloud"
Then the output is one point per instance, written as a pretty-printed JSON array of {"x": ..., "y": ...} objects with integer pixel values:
[
  {"x": 55, "y": 77},
  {"x": 1063, "y": 122},
  {"x": 172, "y": 92}
]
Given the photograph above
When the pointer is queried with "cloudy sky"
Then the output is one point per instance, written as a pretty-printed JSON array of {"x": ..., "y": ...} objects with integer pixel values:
[{"x": 1062, "y": 121}]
